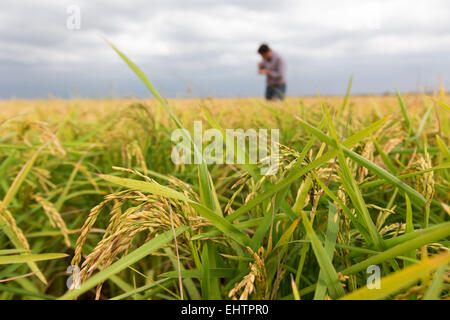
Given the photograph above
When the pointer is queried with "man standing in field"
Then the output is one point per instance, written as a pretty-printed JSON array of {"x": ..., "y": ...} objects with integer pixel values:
[{"x": 274, "y": 67}]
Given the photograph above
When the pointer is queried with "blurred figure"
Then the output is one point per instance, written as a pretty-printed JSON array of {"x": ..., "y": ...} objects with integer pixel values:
[{"x": 274, "y": 67}]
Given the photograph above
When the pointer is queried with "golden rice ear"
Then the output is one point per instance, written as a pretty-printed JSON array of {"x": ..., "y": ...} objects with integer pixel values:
[
  {"x": 54, "y": 216},
  {"x": 254, "y": 281},
  {"x": 149, "y": 214}
]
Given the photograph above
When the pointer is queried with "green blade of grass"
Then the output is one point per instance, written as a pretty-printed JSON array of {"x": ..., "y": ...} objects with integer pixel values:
[
  {"x": 206, "y": 194},
  {"x": 441, "y": 103},
  {"x": 12, "y": 251},
  {"x": 423, "y": 122},
  {"x": 221, "y": 223},
  {"x": 25, "y": 258},
  {"x": 59, "y": 203},
  {"x": 213, "y": 273},
  {"x": 264, "y": 226},
  {"x": 386, "y": 160},
  {"x": 205, "y": 277},
  {"x": 254, "y": 222},
  {"x": 443, "y": 147},
  {"x": 141, "y": 289},
  {"x": 7, "y": 163},
  {"x": 434, "y": 290},
  {"x": 329, "y": 273},
  {"x": 347, "y": 94},
  {"x": 294, "y": 289},
  {"x": 330, "y": 243},
  {"x": 401, "y": 279},
  {"x": 194, "y": 294},
  {"x": 421, "y": 239},
  {"x": 413, "y": 235},
  {"x": 284, "y": 239},
  {"x": 376, "y": 183},
  {"x": 145, "y": 186},
  {"x": 402, "y": 104},
  {"x": 409, "y": 226},
  {"x": 25, "y": 293}
]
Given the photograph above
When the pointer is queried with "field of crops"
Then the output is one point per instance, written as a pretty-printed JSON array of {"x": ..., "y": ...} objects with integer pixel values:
[{"x": 90, "y": 198}]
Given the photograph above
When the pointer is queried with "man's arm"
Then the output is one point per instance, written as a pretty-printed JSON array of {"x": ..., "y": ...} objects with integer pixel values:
[{"x": 261, "y": 69}]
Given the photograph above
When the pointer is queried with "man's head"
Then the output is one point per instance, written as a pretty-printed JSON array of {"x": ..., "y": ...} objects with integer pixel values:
[{"x": 265, "y": 51}]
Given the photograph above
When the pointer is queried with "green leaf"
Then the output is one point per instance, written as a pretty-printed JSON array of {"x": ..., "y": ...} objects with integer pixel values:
[
  {"x": 205, "y": 274},
  {"x": 221, "y": 223},
  {"x": 330, "y": 243},
  {"x": 294, "y": 289},
  {"x": 441, "y": 103},
  {"x": 377, "y": 183},
  {"x": 144, "y": 186},
  {"x": 12, "y": 251},
  {"x": 59, "y": 203},
  {"x": 401, "y": 279},
  {"x": 443, "y": 147},
  {"x": 347, "y": 94},
  {"x": 386, "y": 160},
  {"x": 423, "y": 122},
  {"x": 140, "y": 289},
  {"x": 404, "y": 112},
  {"x": 25, "y": 258},
  {"x": 434, "y": 290},
  {"x": 421, "y": 238},
  {"x": 25, "y": 293},
  {"x": 416, "y": 234},
  {"x": 213, "y": 273},
  {"x": 329, "y": 273},
  {"x": 286, "y": 236},
  {"x": 409, "y": 227}
]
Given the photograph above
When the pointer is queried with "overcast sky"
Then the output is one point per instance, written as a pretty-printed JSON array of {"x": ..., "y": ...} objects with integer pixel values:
[{"x": 208, "y": 47}]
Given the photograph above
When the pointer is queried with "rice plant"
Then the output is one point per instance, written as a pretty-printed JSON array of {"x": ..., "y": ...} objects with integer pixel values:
[{"x": 91, "y": 200}]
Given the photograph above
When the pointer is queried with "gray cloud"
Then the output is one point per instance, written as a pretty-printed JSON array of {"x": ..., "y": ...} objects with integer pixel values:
[{"x": 210, "y": 46}]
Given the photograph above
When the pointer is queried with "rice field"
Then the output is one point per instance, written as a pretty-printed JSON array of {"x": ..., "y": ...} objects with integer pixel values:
[{"x": 92, "y": 207}]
